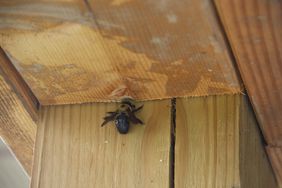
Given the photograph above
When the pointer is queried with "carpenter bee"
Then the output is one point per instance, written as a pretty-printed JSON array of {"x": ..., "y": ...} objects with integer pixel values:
[{"x": 123, "y": 116}]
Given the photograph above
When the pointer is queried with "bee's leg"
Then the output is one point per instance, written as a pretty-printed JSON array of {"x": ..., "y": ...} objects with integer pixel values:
[
  {"x": 109, "y": 118},
  {"x": 137, "y": 109}
]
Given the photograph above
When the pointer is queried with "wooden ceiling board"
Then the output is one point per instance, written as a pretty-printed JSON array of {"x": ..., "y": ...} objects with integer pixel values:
[{"x": 100, "y": 50}]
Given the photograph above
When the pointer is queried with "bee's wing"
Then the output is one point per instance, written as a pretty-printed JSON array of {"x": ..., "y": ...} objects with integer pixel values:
[
  {"x": 109, "y": 118},
  {"x": 134, "y": 119}
]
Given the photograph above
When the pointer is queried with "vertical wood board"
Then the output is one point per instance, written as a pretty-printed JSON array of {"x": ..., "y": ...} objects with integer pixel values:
[
  {"x": 72, "y": 150},
  {"x": 255, "y": 168},
  {"x": 217, "y": 146},
  {"x": 207, "y": 142}
]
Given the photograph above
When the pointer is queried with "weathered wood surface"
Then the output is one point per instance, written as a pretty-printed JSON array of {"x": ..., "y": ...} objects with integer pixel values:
[
  {"x": 218, "y": 145},
  {"x": 73, "y": 51},
  {"x": 17, "y": 115},
  {"x": 72, "y": 150},
  {"x": 254, "y": 28}
]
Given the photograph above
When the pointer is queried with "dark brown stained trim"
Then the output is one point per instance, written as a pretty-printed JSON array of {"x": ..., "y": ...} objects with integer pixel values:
[
  {"x": 13, "y": 78},
  {"x": 254, "y": 31}
]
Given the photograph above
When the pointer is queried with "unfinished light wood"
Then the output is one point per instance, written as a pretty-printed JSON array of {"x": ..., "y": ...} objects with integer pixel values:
[
  {"x": 72, "y": 150},
  {"x": 254, "y": 28},
  {"x": 73, "y": 51},
  {"x": 212, "y": 140},
  {"x": 17, "y": 127}
]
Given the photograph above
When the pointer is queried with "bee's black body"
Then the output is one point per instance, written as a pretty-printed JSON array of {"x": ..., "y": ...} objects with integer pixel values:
[
  {"x": 123, "y": 116},
  {"x": 122, "y": 123}
]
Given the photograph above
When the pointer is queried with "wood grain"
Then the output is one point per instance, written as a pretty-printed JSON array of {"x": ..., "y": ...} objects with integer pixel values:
[
  {"x": 254, "y": 29},
  {"x": 72, "y": 150},
  {"x": 12, "y": 76},
  {"x": 17, "y": 127},
  {"x": 218, "y": 145},
  {"x": 255, "y": 169},
  {"x": 78, "y": 52}
]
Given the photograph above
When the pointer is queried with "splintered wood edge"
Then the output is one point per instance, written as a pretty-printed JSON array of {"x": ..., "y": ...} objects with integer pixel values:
[{"x": 13, "y": 77}]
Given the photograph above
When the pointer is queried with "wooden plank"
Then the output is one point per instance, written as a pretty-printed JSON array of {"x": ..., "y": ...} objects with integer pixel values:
[
  {"x": 213, "y": 135},
  {"x": 72, "y": 150},
  {"x": 254, "y": 29},
  {"x": 275, "y": 154},
  {"x": 207, "y": 142},
  {"x": 17, "y": 126},
  {"x": 143, "y": 49}
]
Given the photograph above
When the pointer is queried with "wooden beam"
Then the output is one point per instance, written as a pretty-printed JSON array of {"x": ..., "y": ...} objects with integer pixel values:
[
  {"x": 218, "y": 144},
  {"x": 254, "y": 30},
  {"x": 72, "y": 150},
  {"x": 17, "y": 113}
]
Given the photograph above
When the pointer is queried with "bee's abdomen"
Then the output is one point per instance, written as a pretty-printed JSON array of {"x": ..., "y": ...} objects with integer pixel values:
[{"x": 122, "y": 123}]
